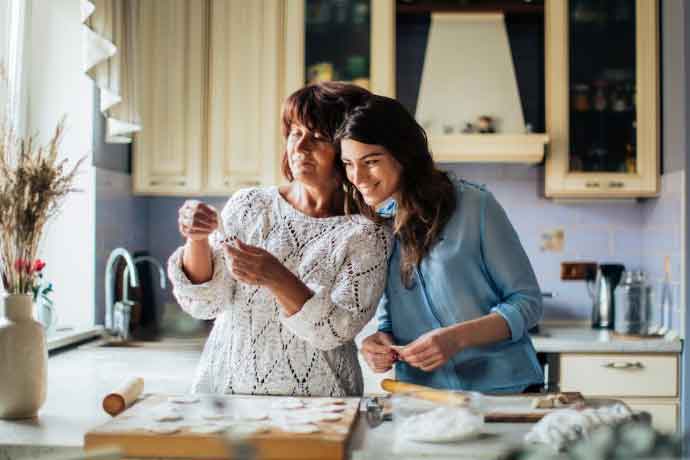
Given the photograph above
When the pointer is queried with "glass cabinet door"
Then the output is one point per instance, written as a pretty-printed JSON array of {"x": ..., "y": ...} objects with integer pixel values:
[
  {"x": 346, "y": 40},
  {"x": 337, "y": 41},
  {"x": 602, "y": 93},
  {"x": 602, "y": 86}
]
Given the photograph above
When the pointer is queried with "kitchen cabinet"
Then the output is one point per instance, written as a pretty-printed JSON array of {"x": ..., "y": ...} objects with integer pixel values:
[
  {"x": 336, "y": 40},
  {"x": 211, "y": 96},
  {"x": 244, "y": 142},
  {"x": 168, "y": 153},
  {"x": 602, "y": 98},
  {"x": 645, "y": 381}
]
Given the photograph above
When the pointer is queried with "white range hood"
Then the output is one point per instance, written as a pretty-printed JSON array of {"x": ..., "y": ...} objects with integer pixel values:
[{"x": 468, "y": 72}]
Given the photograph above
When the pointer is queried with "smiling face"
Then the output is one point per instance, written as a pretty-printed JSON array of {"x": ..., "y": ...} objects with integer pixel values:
[
  {"x": 372, "y": 169},
  {"x": 310, "y": 156}
]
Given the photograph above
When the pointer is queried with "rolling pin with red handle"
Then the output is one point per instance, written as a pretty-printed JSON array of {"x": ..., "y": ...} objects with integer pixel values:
[
  {"x": 428, "y": 393},
  {"x": 116, "y": 402}
]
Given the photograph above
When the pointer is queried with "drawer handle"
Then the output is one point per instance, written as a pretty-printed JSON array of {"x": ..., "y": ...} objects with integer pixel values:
[
  {"x": 592, "y": 184},
  {"x": 623, "y": 365},
  {"x": 616, "y": 184}
]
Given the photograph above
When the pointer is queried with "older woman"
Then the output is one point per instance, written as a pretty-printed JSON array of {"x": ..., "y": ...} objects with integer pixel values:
[{"x": 287, "y": 277}]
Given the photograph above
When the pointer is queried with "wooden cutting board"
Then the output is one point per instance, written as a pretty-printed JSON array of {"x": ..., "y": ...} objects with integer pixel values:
[{"x": 130, "y": 431}]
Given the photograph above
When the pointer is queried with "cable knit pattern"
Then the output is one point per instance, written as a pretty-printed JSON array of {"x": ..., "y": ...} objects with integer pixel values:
[{"x": 253, "y": 347}]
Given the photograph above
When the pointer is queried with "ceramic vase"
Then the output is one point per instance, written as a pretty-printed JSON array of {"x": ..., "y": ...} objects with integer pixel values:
[{"x": 23, "y": 359}]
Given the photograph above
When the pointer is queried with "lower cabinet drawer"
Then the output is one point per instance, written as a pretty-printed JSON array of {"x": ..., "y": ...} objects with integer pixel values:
[
  {"x": 664, "y": 415},
  {"x": 620, "y": 375}
]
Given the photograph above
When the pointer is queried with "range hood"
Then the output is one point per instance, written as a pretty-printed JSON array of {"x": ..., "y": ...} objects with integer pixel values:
[{"x": 468, "y": 72}]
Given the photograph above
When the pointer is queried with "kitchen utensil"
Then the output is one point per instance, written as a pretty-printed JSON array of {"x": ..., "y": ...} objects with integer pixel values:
[
  {"x": 516, "y": 408},
  {"x": 374, "y": 408},
  {"x": 119, "y": 400},
  {"x": 606, "y": 280},
  {"x": 431, "y": 394}
]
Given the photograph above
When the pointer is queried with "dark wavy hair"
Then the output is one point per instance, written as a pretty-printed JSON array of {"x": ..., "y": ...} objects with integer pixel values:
[
  {"x": 321, "y": 108},
  {"x": 426, "y": 195}
]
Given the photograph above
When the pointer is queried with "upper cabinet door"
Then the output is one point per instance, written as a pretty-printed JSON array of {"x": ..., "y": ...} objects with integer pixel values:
[
  {"x": 169, "y": 150},
  {"x": 341, "y": 40},
  {"x": 602, "y": 90},
  {"x": 245, "y": 92}
]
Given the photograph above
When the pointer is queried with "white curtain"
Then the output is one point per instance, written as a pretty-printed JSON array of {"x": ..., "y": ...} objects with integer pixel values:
[
  {"x": 111, "y": 59},
  {"x": 14, "y": 42}
]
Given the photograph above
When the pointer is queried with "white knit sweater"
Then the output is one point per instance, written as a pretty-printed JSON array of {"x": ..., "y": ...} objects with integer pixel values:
[{"x": 253, "y": 347}]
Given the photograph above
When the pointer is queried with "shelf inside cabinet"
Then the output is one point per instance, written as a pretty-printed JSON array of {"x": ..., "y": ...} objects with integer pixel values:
[{"x": 498, "y": 148}]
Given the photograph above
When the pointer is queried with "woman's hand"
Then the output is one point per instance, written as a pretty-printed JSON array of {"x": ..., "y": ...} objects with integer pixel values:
[
  {"x": 253, "y": 265},
  {"x": 197, "y": 220},
  {"x": 431, "y": 350},
  {"x": 378, "y": 353}
]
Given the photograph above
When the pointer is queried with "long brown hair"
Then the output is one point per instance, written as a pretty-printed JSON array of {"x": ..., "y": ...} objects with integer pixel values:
[
  {"x": 426, "y": 194},
  {"x": 321, "y": 108}
]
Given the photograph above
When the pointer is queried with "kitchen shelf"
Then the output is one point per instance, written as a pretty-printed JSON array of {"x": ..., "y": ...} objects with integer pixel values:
[{"x": 489, "y": 148}]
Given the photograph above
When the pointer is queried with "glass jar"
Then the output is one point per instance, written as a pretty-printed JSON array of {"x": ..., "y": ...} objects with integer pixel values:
[
  {"x": 631, "y": 299},
  {"x": 581, "y": 97}
]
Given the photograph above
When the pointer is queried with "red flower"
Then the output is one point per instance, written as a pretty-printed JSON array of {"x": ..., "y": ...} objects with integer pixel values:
[{"x": 38, "y": 265}]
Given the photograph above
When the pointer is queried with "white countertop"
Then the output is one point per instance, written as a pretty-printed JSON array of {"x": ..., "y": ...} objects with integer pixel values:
[
  {"x": 78, "y": 380},
  {"x": 560, "y": 339}
]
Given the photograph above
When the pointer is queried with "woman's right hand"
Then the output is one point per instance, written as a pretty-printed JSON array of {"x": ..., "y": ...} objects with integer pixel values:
[
  {"x": 197, "y": 220},
  {"x": 378, "y": 353}
]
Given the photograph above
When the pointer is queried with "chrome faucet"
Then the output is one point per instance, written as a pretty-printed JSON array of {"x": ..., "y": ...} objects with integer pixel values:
[
  {"x": 110, "y": 284},
  {"x": 138, "y": 260}
]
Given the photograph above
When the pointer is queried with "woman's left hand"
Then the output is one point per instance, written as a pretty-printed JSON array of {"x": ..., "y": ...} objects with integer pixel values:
[
  {"x": 253, "y": 265},
  {"x": 431, "y": 350}
]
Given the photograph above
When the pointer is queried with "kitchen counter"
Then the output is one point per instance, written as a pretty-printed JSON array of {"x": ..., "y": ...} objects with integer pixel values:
[
  {"x": 586, "y": 340},
  {"x": 79, "y": 378}
]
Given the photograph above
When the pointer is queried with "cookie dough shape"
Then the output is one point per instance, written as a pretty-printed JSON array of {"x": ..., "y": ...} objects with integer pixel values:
[
  {"x": 208, "y": 429},
  {"x": 291, "y": 404},
  {"x": 302, "y": 428},
  {"x": 163, "y": 429},
  {"x": 169, "y": 416},
  {"x": 184, "y": 399}
]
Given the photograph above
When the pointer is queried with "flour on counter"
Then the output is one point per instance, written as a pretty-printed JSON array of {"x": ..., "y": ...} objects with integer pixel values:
[{"x": 443, "y": 424}]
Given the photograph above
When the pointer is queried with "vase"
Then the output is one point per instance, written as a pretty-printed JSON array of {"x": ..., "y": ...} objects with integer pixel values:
[{"x": 23, "y": 359}]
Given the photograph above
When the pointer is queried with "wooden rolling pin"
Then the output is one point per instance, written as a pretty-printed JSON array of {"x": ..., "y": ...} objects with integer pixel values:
[
  {"x": 116, "y": 402},
  {"x": 428, "y": 393}
]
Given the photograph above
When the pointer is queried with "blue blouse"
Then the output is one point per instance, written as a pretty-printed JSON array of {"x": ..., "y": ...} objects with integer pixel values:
[{"x": 477, "y": 267}]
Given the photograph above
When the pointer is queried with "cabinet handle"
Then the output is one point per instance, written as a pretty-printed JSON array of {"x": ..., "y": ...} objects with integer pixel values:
[
  {"x": 623, "y": 365},
  {"x": 244, "y": 183},
  {"x": 616, "y": 184},
  {"x": 180, "y": 183},
  {"x": 592, "y": 184}
]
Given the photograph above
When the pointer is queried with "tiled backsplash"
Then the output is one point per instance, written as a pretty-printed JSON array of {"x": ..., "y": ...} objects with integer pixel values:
[{"x": 637, "y": 234}]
